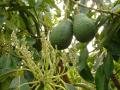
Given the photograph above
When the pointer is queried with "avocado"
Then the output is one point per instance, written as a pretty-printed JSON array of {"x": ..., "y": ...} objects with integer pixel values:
[
  {"x": 84, "y": 28},
  {"x": 61, "y": 35}
]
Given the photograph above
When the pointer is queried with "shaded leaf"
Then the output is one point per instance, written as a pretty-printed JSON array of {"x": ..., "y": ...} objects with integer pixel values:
[
  {"x": 82, "y": 59},
  {"x": 8, "y": 73},
  {"x": 86, "y": 74},
  {"x": 113, "y": 47},
  {"x": 5, "y": 85},
  {"x": 8, "y": 62},
  {"x": 108, "y": 65},
  {"x": 19, "y": 83},
  {"x": 82, "y": 66},
  {"x": 100, "y": 79}
]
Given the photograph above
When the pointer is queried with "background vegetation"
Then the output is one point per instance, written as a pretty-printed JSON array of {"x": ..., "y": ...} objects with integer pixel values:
[{"x": 29, "y": 62}]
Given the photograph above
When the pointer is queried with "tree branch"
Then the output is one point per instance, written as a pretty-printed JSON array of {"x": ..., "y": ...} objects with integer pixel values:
[{"x": 97, "y": 10}]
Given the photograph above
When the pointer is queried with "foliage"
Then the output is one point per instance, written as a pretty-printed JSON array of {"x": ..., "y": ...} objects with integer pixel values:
[{"x": 28, "y": 61}]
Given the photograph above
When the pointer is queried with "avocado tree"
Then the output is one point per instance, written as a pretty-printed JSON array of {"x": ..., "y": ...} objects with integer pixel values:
[{"x": 45, "y": 45}]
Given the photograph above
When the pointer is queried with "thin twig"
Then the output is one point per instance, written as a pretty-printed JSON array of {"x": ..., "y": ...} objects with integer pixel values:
[{"x": 97, "y": 10}]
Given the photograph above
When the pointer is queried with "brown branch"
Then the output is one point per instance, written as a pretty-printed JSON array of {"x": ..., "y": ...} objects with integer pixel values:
[
  {"x": 97, "y": 10},
  {"x": 116, "y": 82}
]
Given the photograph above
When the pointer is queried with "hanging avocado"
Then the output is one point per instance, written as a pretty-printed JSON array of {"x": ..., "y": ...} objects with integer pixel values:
[
  {"x": 61, "y": 35},
  {"x": 84, "y": 28}
]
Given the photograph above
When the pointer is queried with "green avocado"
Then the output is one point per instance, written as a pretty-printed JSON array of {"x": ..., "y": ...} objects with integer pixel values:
[
  {"x": 61, "y": 35},
  {"x": 84, "y": 28}
]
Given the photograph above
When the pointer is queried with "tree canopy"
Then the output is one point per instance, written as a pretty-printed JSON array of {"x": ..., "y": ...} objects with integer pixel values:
[{"x": 44, "y": 44}]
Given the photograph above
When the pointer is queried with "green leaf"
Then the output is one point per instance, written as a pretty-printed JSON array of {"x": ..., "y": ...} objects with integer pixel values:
[
  {"x": 86, "y": 74},
  {"x": 69, "y": 86},
  {"x": 19, "y": 83},
  {"x": 31, "y": 2},
  {"x": 99, "y": 60},
  {"x": 113, "y": 47},
  {"x": 100, "y": 79},
  {"x": 108, "y": 65},
  {"x": 47, "y": 19},
  {"x": 8, "y": 73},
  {"x": 82, "y": 66},
  {"x": 2, "y": 19},
  {"x": 101, "y": 20},
  {"x": 5, "y": 85},
  {"x": 8, "y": 62},
  {"x": 82, "y": 59}
]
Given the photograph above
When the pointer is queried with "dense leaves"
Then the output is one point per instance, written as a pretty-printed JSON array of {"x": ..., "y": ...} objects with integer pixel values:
[{"x": 29, "y": 59}]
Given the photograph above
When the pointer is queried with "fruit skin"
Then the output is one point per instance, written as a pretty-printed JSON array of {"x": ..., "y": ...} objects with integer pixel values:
[
  {"x": 61, "y": 35},
  {"x": 84, "y": 28}
]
